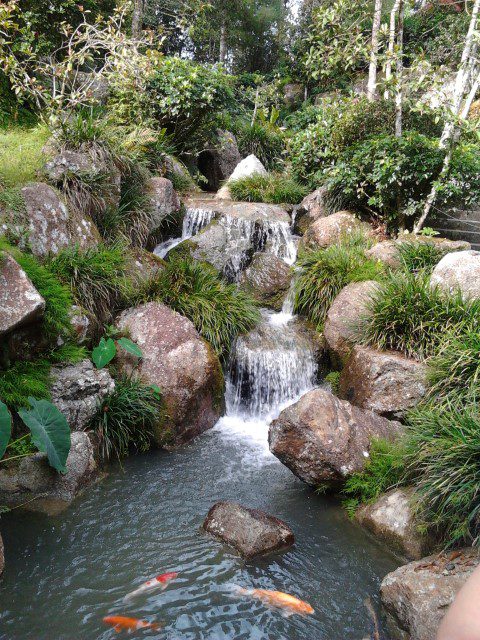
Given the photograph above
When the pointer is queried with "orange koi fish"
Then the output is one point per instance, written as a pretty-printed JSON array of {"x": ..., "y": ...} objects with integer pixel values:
[
  {"x": 122, "y": 623},
  {"x": 289, "y": 604},
  {"x": 160, "y": 582}
]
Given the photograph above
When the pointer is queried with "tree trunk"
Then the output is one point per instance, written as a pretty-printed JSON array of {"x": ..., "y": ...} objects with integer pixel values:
[
  {"x": 372, "y": 72},
  {"x": 223, "y": 44},
  {"x": 399, "y": 72},
  {"x": 391, "y": 46},
  {"x": 137, "y": 18},
  {"x": 451, "y": 129}
]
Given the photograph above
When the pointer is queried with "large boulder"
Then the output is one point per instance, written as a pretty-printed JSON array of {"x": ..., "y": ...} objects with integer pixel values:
[
  {"x": 218, "y": 163},
  {"x": 323, "y": 440},
  {"x": 331, "y": 229},
  {"x": 181, "y": 363},
  {"x": 343, "y": 316},
  {"x": 383, "y": 381},
  {"x": 248, "y": 167},
  {"x": 391, "y": 519},
  {"x": 2, "y": 556},
  {"x": 267, "y": 279},
  {"x": 45, "y": 224},
  {"x": 164, "y": 201},
  {"x": 20, "y": 302},
  {"x": 310, "y": 210},
  {"x": 78, "y": 389},
  {"x": 416, "y": 596},
  {"x": 250, "y": 531},
  {"x": 458, "y": 272},
  {"x": 32, "y": 483}
]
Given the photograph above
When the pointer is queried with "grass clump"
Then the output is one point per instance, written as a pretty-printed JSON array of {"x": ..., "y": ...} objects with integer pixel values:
[
  {"x": 127, "y": 418},
  {"x": 443, "y": 461},
  {"x": 21, "y": 155},
  {"x": 273, "y": 188},
  {"x": 325, "y": 272},
  {"x": 96, "y": 276},
  {"x": 24, "y": 379},
  {"x": 384, "y": 470},
  {"x": 333, "y": 379},
  {"x": 420, "y": 256},
  {"x": 406, "y": 314},
  {"x": 219, "y": 311}
]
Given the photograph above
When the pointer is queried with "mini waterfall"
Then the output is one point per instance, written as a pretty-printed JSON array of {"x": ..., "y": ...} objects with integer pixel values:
[
  {"x": 270, "y": 367},
  {"x": 194, "y": 221}
]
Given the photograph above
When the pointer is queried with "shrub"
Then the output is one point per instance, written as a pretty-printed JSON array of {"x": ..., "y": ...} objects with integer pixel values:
[
  {"x": 420, "y": 256},
  {"x": 325, "y": 272},
  {"x": 21, "y": 154},
  {"x": 96, "y": 276},
  {"x": 83, "y": 129},
  {"x": 443, "y": 462},
  {"x": 274, "y": 189},
  {"x": 454, "y": 372},
  {"x": 384, "y": 470},
  {"x": 264, "y": 140},
  {"x": 406, "y": 314},
  {"x": 183, "y": 97},
  {"x": 219, "y": 311},
  {"x": 127, "y": 418},
  {"x": 132, "y": 219}
]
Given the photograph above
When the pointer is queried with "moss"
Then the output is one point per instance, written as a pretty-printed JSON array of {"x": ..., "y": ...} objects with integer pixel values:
[{"x": 21, "y": 154}]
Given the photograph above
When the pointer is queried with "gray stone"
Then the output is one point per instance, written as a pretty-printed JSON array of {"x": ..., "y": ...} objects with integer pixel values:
[
  {"x": 383, "y": 381},
  {"x": 2, "y": 556},
  {"x": 293, "y": 94},
  {"x": 32, "y": 483},
  {"x": 267, "y": 279},
  {"x": 343, "y": 316},
  {"x": 391, "y": 520},
  {"x": 310, "y": 210},
  {"x": 323, "y": 440},
  {"x": 164, "y": 201},
  {"x": 331, "y": 229},
  {"x": 250, "y": 531},
  {"x": 181, "y": 363},
  {"x": 248, "y": 167},
  {"x": 416, "y": 596},
  {"x": 20, "y": 302},
  {"x": 81, "y": 324},
  {"x": 218, "y": 163},
  {"x": 78, "y": 389},
  {"x": 387, "y": 253},
  {"x": 459, "y": 271}
]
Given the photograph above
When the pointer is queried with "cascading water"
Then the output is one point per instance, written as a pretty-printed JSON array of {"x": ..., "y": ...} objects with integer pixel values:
[{"x": 194, "y": 221}]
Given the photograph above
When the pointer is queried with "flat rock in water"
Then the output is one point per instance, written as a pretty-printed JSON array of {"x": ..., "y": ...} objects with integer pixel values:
[
  {"x": 250, "y": 531},
  {"x": 267, "y": 279},
  {"x": 323, "y": 440},
  {"x": 416, "y": 596},
  {"x": 20, "y": 302}
]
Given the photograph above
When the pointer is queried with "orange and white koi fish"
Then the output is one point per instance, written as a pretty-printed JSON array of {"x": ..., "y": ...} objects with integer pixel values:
[
  {"x": 160, "y": 583},
  {"x": 122, "y": 623},
  {"x": 287, "y": 603}
]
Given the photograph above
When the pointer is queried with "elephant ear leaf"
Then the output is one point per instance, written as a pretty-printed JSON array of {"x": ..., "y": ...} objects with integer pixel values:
[
  {"x": 130, "y": 347},
  {"x": 5, "y": 428},
  {"x": 104, "y": 353},
  {"x": 50, "y": 431}
]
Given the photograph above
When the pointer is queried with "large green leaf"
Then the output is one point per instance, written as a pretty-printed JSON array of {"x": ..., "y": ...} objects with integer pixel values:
[
  {"x": 50, "y": 431},
  {"x": 104, "y": 353},
  {"x": 5, "y": 428},
  {"x": 130, "y": 347}
]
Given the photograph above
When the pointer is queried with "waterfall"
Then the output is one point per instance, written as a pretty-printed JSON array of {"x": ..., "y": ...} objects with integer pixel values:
[
  {"x": 270, "y": 367},
  {"x": 194, "y": 221}
]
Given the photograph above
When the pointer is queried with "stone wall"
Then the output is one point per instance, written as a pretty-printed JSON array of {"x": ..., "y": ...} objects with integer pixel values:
[{"x": 459, "y": 224}]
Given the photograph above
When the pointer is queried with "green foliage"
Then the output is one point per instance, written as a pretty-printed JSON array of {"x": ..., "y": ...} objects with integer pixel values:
[
  {"x": 12, "y": 200},
  {"x": 325, "y": 272},
  {"x": 96, "y": 276},
  {"x": 333, "y": 379},
  {"x": 274, "y": 189},
  {"x": 132, "y": 219},
  {"x": 264, "y": 140},
  {"x": 23, "y": 380},
  {"x": 183, "y": 97},
  {"x": 420, "y": 256},
  {"x": 21, "y": 447},
  {"x": 127, "y": 417},
  {"x": 219, "y": 311},
  {"x": 454, "y": 372},
  {"x": 443, "y": 462},
  {"x": 106, "y": 350},
  {"x": 406, "y": 314},
  {"x": 384, "y": 470},
  {"x": 58, "y": 299},
  {"x": 50, "y": 431},
  {"x": 84, "y": 128},
  {"x": 21, "y": 155},
  {"x": 5, "y": 428}
]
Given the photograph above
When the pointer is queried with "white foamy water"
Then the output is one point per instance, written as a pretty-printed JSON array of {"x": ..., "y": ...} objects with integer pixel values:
[{"x": 194, "y": 221}]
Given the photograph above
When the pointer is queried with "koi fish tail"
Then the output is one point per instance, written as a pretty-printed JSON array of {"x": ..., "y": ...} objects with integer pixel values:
[{"x": 155, "y": 626}]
